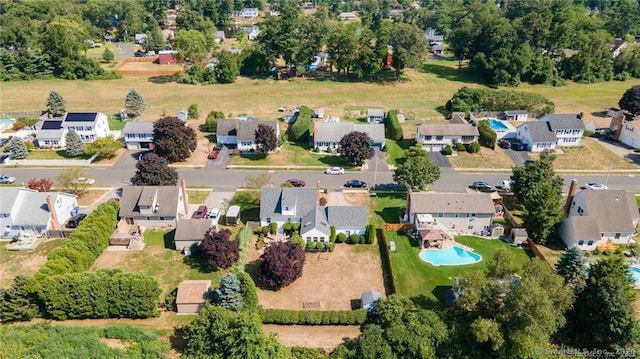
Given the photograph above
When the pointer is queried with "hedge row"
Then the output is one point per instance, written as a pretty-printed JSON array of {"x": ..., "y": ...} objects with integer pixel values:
[
  {"x": 85, "y": 244},
  {"x": 488, "y": 136},
  {"x": 393, "y": 129},
  {"x": 107, "y": 293},
  {"x": 313, "y": 317}
]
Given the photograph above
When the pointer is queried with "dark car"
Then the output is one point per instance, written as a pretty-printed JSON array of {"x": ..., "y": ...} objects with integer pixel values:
[
  {"x": 296, "y": 182},
  {"x": 75, "y": 220},
  {"x": 504, "y": 144},
  {"x": 200, "y": 213},
  {"x": 517, "y": 146},
  {"x": 481, "y": 185},
  {"x": 139, "y": 53},
  {"x": 3, "y": 141},
  {"x": 528, "y": 162},
  {"x": 355, "y": 184},
  {"x": 214, "y": 154}
]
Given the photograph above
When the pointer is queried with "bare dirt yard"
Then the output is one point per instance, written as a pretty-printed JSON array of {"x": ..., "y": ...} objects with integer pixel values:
[
  {"x": 13, "y": 263},
  {"x": 313, "y": 336}
]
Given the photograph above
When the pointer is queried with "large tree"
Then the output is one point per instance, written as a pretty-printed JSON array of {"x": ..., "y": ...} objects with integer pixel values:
[
  {"x": 630, "y": 101},
  {"x": 74, "y": 144},
  {"x": 173, "y": 139},
  {"x": 219, "y": 249},
  {"x": 134, "y": 103},
  {"x": 356, "y": 147},
  {"x": 229, "y": 294},
  {"x": 266, "y": 138},
  {"x": 104, "y": 147},
  {"x": 572, "y": 267},
  {"x": 409, "y": 46},
  {"x": 17, "y": 148},
  {"x": 16, "y": 303},
  {"x": 227, "y": 69},
  {"x": 191, "y": 44},
  {"x": 153, "y": 170},
  {"x": 67, "y": 181},
  {"x": 56, "y": 106},
  {"x": 281, "y": 265},
  {"x": 416, "y": 170}
]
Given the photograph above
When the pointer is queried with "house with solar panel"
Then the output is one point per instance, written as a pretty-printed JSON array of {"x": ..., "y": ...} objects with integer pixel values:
[{"x": 89, "y": 125}]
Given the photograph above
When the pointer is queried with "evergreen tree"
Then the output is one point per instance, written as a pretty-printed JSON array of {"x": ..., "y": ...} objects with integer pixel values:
[
  {"x": 107, "y": 55},
  {"x": 229, "y": 295},
  {"x": 572, "y": 267},
  {"x": 18, "y": 149},
  {"x": 134, "y": 103},
  {"x": 55, "y": 104},
  {"x": 15, "y": 303},
  {"x": 75, "y": 146}
]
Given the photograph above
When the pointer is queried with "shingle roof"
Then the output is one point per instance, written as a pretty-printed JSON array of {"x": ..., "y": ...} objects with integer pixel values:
[
  {"x": 564, "y": 121},
  {"x": 601, "y": 122},
  {"x": 165, "y": 196},
  {"x": 193, "y": 291},
  {"x": 247, "y": 129},
  {"x": 8, "y": 195},
  {"x": 316, "y": 218},
  {"x": 458, "y": 119},
  {"x": 271, "y": 200},
  {"x": 141, "y": 127},
  {"x": 189, "y": 229},
  {"x": 226, "y": 127},
  {"x": 375, "y": 112},
  {"x": 334, "y": 131},
  {"x": 50, "y": 134},
  {"x": 584, "y": 228},
  {"x": 29, "y": 207},
  {"x": 347, "y": 216},
  {"x": 612, "y": 210},
  {"x": 516, "y": 112},
  {"x": 540, "y": 131},
  {"x": 431, "y": 202},
  {"x": 448, "y": 129}
]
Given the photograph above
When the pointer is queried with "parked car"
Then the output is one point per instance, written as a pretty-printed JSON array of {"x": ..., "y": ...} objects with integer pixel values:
[
  {"x": 214, "y": 214},
  {"x": 517, "y": 146},
  {"x": 504, "y": 144},
  {"x": 355, "y": 184},
  {"x": 528, "y": 162},
  {"x": 296, "y": 182},
  {"x": 334, "y": 171},
  {"x": 505, "y": 186},
  {"x": 214, "y": 154},
  {"x": 595, "y": 186},
  {"x": 84, "y": 180},
  {"x": 200, "y": 213},
  {"x": 480, "y": 185},
  {"x": 139, "y": 53},
  {"x": 3, "y": 157},
  {"x": 3, "y": 141},
  {"x": 75, "y": 220},
  {"x": 7, "y": 179}
]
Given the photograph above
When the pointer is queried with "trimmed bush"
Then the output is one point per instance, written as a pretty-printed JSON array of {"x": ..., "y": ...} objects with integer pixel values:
[
  {"x": 460, "y": 146},
  {"x": 332, "y": 236},
  {"x": 447, "y": 151},
  {"x": 371, "y": 234},
  {"x": 341, "y": 238},
  {"x": 300, "y": 130},
  {"x": 354, "y": 238},
  {"x": 392, "y": 127},
  {"x": 473, "y": 147},
  {"x": 273, "y": 227},
  {"x": 488, "y": 137},
  {"x": 312, "y": 317}
]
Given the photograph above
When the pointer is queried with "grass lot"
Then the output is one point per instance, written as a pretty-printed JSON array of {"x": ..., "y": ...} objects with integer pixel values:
[
  {"x": 51, "y": 154},
  {"x": 159, "y": 260},
  {"x": 197, "y": 196},
  {"x": 91, "y": 197},
  {"x": 115, "y": 124},
  {"x": 591, "y": 155},
  {"x": 395, "y": 149},
  {"x": 290, "y": 154},
  {"x": 387, "y": 207},
  {"x": 416, "y": 278},
  {"x": 249, "y": 202},
  {"x": 486, "y": 158},
  {"x": 13, "y": 263}
]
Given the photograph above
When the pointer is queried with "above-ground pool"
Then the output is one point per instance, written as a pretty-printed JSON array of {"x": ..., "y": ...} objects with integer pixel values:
[
  {"x": 635, "y": 271},
  {"x": 497, "y": 125},
  {"x": 452, "y": 256}
]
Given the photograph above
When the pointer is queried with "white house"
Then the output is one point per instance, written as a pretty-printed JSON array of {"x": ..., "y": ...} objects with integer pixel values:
[
  {"x": 26, "y": 212},
  {"x": 346, "y": 16},
  {"x": 536, "y": 136},
  {"x": 154, "y": 206},
  {"x": 600, "y": 217},
  {"x": 51, "y": 134},
  {"x": 568, "y": 128},
  {"x": 248, "y": 13},
  {"x": 630, "y": 134},
  {"x": 327, "y": 135},
  {"x": 138, "y": 135},
  {"x": 516, "y": 115},
  {"x": 89, "y": 125},
  {"x": 454, "y": 213},
  {"x": 240, "y": 133},
  {"x": 375, "y": 115},
  {"x": 435, "y": 137}
]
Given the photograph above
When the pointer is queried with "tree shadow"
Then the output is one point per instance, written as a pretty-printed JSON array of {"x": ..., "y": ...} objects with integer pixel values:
[
  {"x": 334, "y": 161},
  {"x": 163, "y": 79},
  {"x": 424, "y": 302},
  {"x": 387, "y": 280},
  {"x": 177, "y": 340},
  {"x": 443, "y": 293},
  {"x": 253, "y": 156},
  {"x": 252, "y": 269},
  {"x": 168, "y": 239},
  {"x": 355, "y": 304},
  {"x": 599, "y": 114},
  {"x": 197, "y": 261},
  {"x": 451, "y": 74}
]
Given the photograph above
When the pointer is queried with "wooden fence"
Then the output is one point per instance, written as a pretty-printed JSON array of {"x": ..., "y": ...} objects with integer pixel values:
[
  {"x": 386, "y": 261},
  {"x": 536, "y": 250},
  {"x": 397, "y": 227}
]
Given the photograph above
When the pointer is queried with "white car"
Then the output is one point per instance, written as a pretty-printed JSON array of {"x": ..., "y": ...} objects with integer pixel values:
[
  {"x": 84, "y": 180},
  {"x": 596, "y": 186},
  {"x": 334, "y": 171},
  {"x": 7, "y": 179},
  {"x": 214, "y": 214}
]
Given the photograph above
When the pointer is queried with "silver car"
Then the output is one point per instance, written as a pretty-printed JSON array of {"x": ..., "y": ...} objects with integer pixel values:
[
  {"x": 334, "y": 171},
  {"x": 7, "y": 179}
]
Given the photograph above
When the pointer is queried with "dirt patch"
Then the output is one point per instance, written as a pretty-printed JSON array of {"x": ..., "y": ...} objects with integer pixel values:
[
  {"x": 13, "y": 263},
  {"x": 357, "y": 199},
  {"x": 313, "y": 336},
  {"x": 110, "y": 260},
  {"x": 113, "y": 343},
  {"x": 335, "y": 280},
  {"x": 199, "y": 156}
]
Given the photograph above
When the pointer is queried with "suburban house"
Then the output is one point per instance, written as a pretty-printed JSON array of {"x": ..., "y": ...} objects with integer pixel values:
[
  {"x": 300, "y": 205},
  {"x": 346, "y": 16},
  {"x": 568, "y": 128},
  {"x": 516, "y": 115},
  {"x": 234, "y": 132},
  {"x": 219, "y": 36},
  {"x": 453, "y": 213},
  {"x": 536, "y": 136},
  {"x": 191, "y": 231},
  {"x": 599, "y": 217},
  {"x": 138, "y": 135},
  {"x": 51, "y": 134},
  {"x": 375, "y": 115},
  {"x": 168, "y": 34},
  {"x": 327, "y": 135},
  {"x": 435, "y": 137},
  {"x": 630, "y": 134},
  {"x": 432, "y": 38},
  {"x": 28, "y": 213},
  {"x": 602, "y": 125},
  {"x": 248, "y": 13},
  {"x": 154, "y": 206},
  {"x": 192, "y": 295},
  {"x": 617, "y": 46},
  {"x": 89, "y": 125}
]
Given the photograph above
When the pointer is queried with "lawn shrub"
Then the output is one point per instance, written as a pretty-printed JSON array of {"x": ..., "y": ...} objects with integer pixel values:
[
  {"x": 354, "y": 238},
  {"x": 474, "y": 147},
  {"x": 488, "y": 137},
  {"x": 332, "y": 236},
  {"x": 273, "y": 227},
  {"x": 341, "y": 238},
  {"x": 370, "y": 234},
  {"x": 447, "y": 151},
  {"x": 460, "y": 146},
  {"x": 393, "y": 129},
  {"x": 313, "y": 317}
]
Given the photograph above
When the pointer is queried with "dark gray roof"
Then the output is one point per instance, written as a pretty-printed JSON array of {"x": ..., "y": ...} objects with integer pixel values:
[
  {"x": 271, "y": 200},
  {"x": 165, "y": 196},
  {"x": 50, "y": 134},
  {"x": 369, "y": 297},
  {"x": 457, "y": 119},
  {"x": 334, "y": 131},
  {"x": 565, "y": 121},
  {"x": 227, "y": 127},
  {"x": 540, "y": 131},
  {"x": 347, "y": 216},
  {"x": 612, "y": 210},
  {"x": 432, "y": 202},
  {"x": 448, "y": 129},
  {"x": 247, "y": 129},
  {"x": 191, "y": 229},
  {"x": 141, "y": 127},
  {"x": 316, "y": 218},
  {"x": 519, "y": 231},
  {"x": 584, "y": 228},
  {"x": 377, "y": 112}
]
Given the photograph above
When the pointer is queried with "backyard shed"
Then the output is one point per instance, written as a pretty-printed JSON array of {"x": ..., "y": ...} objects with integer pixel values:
[
  {"x": 233, "y": 216},
  {"x": 369, "y": 299},
  {"x": 192, "y": 294},
  {"x": 519, "y": 236}
]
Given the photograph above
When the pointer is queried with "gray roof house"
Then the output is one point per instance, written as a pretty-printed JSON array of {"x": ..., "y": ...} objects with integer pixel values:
[
  {"x": 435, "y": 137},
  {"x": 154, "y": 206},
  {"x": 328, "y": 134},
  {"x": 138, "y": 135},
  {"x": 375, "y": 115},
  {"x": 279, "y": 205},
  {"x": 537, "y": 136},
  {"x": 241, "y": 134},
  {"x": 190, "y": 231},
  {"x": 599, "y": 217},
  {"x": 568, "y": 128}
]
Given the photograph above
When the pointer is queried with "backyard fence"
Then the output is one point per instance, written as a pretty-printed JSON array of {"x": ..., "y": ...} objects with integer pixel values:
[
  {"x": 515, "y": 222},
  {"x": 536, "y": 250},
  {"x": 397, "y": 227},
  {"x": 386, "y": 261},
  {"x": 20, "y": 114}
]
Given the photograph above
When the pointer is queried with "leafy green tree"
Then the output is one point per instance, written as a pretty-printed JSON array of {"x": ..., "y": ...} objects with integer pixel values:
[
  {"x": 502, "y": 264},
  {"x": 153, "y": 170},
  {"x": 416, "y": 171},
  {"x": 409, "y": 46},
  {"x": 68, "y": 181},
  {"x": 191, "y": 44},
  {"x": 229, "y": 295},
  {"x": 63, "y": 39},
  {"x": 104, "y": 147},
  {"x": 630, "y": 101},
  {"x": 75, "y": 146},
  {"x": 55, "y": 104},
  {"x": 393, "y": 129},
  {"x": 342, "y": 46},
  {"x": 16, "y": 303},
  {"x": 300, "y": 130},
  {"x": 134, "y": 103},
  {"x": 593, "y": 62},
  {"x": 356, "y": 147},
  {"x": 227, "y": 69},
  {"x": 173, "y": 139},
  {"x": 312, "y": 33},
  {"x": 193, "y": 111},
  {"x": 18, "y": 148},
  {"x": 107, "y": 55},
  {"x": 572, "y": 267}
]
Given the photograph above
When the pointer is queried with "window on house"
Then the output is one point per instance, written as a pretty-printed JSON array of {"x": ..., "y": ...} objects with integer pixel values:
[
  {"x": 617, "y": 236},
  {"x": 308, "y": 238},
  {"x": 581, "y": 243},
  {"x": 467, "y": 138},
  {"x": 428, "y": 138},
  {"x": 439, "y": 138},
  {"x": 580, "y": 211},
  {"x": 440, "y": 215},
  {"x": 590, "y": 243},
  {"x": 315, "y": 239},
  {"x": 470, "y": 227},
  {"x": 268, "y": 220}
]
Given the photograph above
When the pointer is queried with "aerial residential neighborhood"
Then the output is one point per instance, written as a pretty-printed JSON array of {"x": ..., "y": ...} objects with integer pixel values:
[{"x": 346, "y": 180}]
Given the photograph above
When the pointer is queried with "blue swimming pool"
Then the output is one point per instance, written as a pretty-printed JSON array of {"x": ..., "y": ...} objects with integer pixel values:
[
  {"x": 452, "y": 256},
  {"x": 635, "y": 271},
  {"x": 497, "y": 125}
]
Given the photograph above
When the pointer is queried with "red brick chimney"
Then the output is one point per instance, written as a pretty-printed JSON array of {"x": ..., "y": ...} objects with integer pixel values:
[
  {"x": 573, "y": 188},
  {"x": 185, "y": 197},
  {"x": 55, "y": 224}
]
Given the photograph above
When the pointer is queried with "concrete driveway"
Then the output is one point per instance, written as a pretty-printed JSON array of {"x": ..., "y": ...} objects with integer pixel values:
[
  {"x": 441, "y": 160},
  {"x": 518, "y": 157},
  {"x": 620, "y": 149}
]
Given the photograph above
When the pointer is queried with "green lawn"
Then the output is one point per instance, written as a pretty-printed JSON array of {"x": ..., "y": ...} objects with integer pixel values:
[
  {"x": 197, "y": 196},
  {"x": 51, "y": 154},
  {"x": 416, "y": 278},
  {"x": 115, "y": 124},
  {"x": 395, "y": 149},
  {"x": 249, "y": 202},
  {"x": 290, "y": 154},
  {"x": 387, "y": 207}
]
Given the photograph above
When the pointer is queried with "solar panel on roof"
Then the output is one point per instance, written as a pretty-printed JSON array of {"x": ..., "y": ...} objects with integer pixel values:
[
  {"x": 51, "y": 125},
  {"x": 81, "y": 116}
]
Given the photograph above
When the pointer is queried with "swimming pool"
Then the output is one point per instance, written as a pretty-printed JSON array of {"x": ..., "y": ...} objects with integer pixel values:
[
  {"x": 635, "y": 271},
  {"x": 497, "y": 125},
  {"x": 6, "y": 123},
  {"x": 452, "y": 256}
]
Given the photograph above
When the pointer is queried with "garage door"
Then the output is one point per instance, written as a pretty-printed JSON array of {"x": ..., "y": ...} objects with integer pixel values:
[
  {"x": 133, "y": 146},
  {"x": 435, "y": 148}
]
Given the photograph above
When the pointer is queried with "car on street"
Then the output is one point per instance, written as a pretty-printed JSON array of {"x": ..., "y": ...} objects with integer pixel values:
[
  {"x": 84, "y": 180},
  {"x": 517, "y": 146},
  {"x": 214, "y": 154},
  {"x": 595, "y": 186},
  {"x": 200, "y": 213},
  {"x": 139, "y": 53},
  {"x": 355, "y": 184},
  {"x": 296, "y": 182},
  {"x": 334, "y": 171},
  {"x": 75, "y": 220},
  {"x": 504, "y": 144},
  {"x": 528, "y": 162},
  {"x": 481, "y": 185},
  {"x": 214, "y": 214},
  {"x": 7, "y": 179}
]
